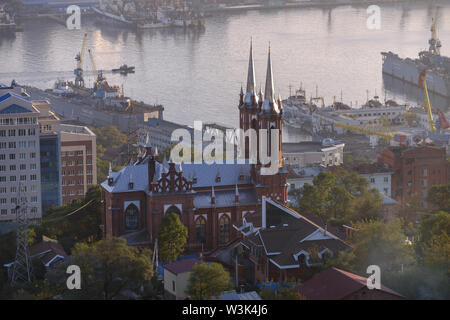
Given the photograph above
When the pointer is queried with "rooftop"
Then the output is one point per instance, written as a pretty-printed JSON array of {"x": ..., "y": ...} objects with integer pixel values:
[
  {"x": 182, "y": 266},
  {"x": 336, "y": 284}
]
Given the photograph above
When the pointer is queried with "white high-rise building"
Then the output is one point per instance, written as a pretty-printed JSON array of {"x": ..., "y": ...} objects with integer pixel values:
[{"x": 20, "y": 177}]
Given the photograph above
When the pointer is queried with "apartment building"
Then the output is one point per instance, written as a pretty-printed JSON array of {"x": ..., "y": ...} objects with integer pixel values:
[
  {"x": 416, "y": 170},
  {"x": 19, "y": 158},
  {"x": 78, "y": 161},
  {"x": 68, "y": 154}
]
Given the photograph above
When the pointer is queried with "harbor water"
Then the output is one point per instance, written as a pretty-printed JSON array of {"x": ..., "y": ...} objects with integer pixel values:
[{"x": 197, "y": 75}]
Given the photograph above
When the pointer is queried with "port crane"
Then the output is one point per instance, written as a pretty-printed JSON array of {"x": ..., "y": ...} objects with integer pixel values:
[
  {"x": 435, "y": 43},
  {"x": 423, "y": 84},
  {"x": 94, "y": 67},
  {"x": 386, "y": 136},
  {"x": 79, "y": 80}
]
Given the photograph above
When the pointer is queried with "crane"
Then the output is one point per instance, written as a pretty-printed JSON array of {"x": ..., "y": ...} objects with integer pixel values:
[
  {"x": 98, "y": 75},
  {"x": 423, "y": 83},
  {"x": 435, "y": 44},
  {"x": 387, "y": 136},
  {"x": 79, "y": 80}
]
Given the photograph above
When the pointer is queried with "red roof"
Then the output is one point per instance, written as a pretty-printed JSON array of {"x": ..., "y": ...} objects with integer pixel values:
[
  {"x": 335, "y": 284},
  {"x": 182, "y": 265}
]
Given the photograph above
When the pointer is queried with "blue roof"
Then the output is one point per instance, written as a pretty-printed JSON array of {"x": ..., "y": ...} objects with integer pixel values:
[
  {"x": 14, "y": 108},
  {"x": 10, "y": 95}
]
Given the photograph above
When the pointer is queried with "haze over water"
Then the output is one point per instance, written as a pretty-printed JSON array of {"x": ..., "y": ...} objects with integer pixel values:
[{"x": 197, "y": 76}]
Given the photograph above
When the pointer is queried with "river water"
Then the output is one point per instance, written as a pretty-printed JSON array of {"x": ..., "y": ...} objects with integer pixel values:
[{"x": 197, "y": 75}]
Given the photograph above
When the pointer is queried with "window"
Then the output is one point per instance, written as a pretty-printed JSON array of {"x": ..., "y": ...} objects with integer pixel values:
[
  {"x": 3, "y": 212},
  {"x": 33, "y": 155},
  {"x": 22, "y": 132},
  {"x": 3, "y": 200},
  {"x": 33, "y": 177},
  {"x": 12, "y": 145},
  {"x": 12, "y": 167},
  {"x": 12, "y": 156},
  {"x": 131, "y": 217},
  {"x": 372, "y": 180},
  {"x": 2, "y": 168},
  {"x": 32, "y": 132},
  {"x": 224, "y": 229},
  {"x": 33, "y": 166},
  {"x": 386, "y": 179},
  {"x": 23, "y": 167},
  {"x": 31, "y": 144},
  {"x": 200, "y": 230},
  {"x": 12, "y": 178},
  {"x": 22, "y": 144},
  {"x": 2, "y": 156},
  {"x": 23, "y": 178},
  {"x": 22, "y": 156},
  {"x": 12, "y": 132}
]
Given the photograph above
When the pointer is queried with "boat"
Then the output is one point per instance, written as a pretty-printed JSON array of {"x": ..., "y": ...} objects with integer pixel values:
[
  {"x": 408, "y": 70},
  {"x": 7, "y": 23},
  {"x": 62, "y": 88},
  {"x": 124, "y": 69},
  {"x": 111, "y": 14}
]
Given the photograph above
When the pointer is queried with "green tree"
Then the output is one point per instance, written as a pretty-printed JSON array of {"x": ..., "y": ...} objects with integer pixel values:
[
  {"x": 341, "y": 196},
  {"x": 439, "y": 197},
  {"x": 172, "y": 237},
  {"x": 377, "y": 243},
  {"x": 207, "y": 281},
  {"x": 108, "y": 267}
]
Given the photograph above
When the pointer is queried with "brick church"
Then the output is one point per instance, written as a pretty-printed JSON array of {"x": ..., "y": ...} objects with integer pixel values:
[{"x": 210, "y": 199}]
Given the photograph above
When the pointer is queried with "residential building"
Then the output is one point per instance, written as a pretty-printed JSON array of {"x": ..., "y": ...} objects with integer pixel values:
[
  {"x": 336, "y": 284},
  {"x": 176, "y": 278},
  {"x": 283, "y": 244},
  {"x": 416, "y": 170},
  {"x": 49, "y": 252},
  {"x": 298, "y": 177},
  {"x": 76, "y": 168},
  {"x": 313, "y": 153},
  {"x": 78, "y": 161},
  {"x": 19, "y": 158},
  {"x": 377, "y": 174},
  {"x": 209, "y": 198}
]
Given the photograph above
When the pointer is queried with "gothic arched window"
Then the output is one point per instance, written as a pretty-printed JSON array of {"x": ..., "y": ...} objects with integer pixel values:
[
  {"x": 131, "y": 217},
  {"x": 174, "y": 209},
  {"x": 224, "y": 229},
  {"x": 200, "y": 230}
]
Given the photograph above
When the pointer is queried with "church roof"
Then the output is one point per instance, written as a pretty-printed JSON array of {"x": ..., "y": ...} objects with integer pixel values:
[
  {"x": 225, "y": 198},
  {"x": 205, "y": 173}
]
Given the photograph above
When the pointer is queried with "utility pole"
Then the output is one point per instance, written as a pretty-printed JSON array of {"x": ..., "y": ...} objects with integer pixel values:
[{"x": 22, "y": 269}]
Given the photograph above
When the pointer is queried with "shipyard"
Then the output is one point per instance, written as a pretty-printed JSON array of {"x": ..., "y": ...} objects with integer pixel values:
[{"x": 224, "y": 150}]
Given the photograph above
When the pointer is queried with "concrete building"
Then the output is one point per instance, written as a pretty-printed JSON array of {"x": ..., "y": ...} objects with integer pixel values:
[
  {"x": 19, "y": 157},
  {"x": 76, "y": 148},
  {"x": 378, "y": 175},
  {"x": 312, "y": 153},
  {"x": 78, "y": 161},
  {"x": 416, "y": 170}
]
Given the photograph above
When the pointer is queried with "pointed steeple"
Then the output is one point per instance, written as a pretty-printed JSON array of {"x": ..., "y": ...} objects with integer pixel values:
[
  {"x": 213, "y": 196},
  {"x": 250, "y": 78},
  {"x": 269, "y": 100},
  {"x": 110, "y": 171}
]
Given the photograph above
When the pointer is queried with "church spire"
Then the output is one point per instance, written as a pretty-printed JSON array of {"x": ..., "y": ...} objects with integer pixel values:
[
  {"x": 269, "y": 101},
  {"x": 250, "y": 78}
]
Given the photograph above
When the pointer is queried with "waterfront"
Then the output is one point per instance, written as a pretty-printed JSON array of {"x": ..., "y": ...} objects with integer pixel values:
[{"x": 197, "y": 75}]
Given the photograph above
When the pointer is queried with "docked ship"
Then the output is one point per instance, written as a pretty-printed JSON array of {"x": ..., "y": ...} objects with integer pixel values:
[
  {"x": 7, "y": 23},
  {"x": 408, "y": 70},
  {"x": 110, "y": 12}
]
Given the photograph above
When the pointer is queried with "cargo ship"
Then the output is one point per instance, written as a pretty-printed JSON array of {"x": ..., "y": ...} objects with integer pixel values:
[
  {"x": 408, "y": 70},
  {"x": 7, "y": 23}
]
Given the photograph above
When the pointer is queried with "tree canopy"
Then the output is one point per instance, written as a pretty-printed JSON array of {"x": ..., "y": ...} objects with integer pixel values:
[
  {"x": 207, "y": 281},
  {"x": 172, "y": 237},
  {"x": 108, "y": 267},
  {"x": 340, "y": 196}
]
